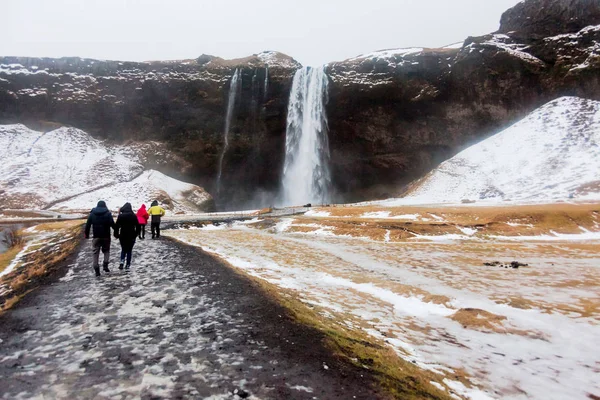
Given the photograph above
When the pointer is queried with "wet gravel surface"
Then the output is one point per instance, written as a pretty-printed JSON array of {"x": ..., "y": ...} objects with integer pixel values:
[{"x": 180, "y": 324}]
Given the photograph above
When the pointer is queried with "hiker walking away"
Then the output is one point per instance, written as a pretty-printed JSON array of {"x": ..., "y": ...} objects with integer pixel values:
[
  {"x": 142, "y": 216},
  {"x": 127, "y": 230},
  {"x": 156, "y": 212},
  {"x": 100, "y": 220}
]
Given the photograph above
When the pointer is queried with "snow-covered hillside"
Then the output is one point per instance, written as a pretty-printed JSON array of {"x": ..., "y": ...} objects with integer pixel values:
[
  {"x": 551, "y": 155},
  {"x": 177, "y": 196},
  {"x": 67, "y": 165}
]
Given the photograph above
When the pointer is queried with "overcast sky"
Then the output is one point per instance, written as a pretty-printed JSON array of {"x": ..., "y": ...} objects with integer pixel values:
[{"x": 312, "y": 31}]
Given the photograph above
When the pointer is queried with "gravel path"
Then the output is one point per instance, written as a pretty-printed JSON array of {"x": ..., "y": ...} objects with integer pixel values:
[{"x": 179, "y": 325}]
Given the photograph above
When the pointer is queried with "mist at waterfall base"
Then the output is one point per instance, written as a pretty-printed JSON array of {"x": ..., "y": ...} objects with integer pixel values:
[{"x": 306, "y": 177}]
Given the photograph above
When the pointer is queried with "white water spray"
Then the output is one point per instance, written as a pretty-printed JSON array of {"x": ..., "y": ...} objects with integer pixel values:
[
  {"x": 306, "y": 176},
  {"x": 234, "y": 87}
]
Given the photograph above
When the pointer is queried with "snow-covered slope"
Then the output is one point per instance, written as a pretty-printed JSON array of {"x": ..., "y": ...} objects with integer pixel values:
[
  {"x": 551, "y": 155},
  {"x": 177, "y": 196},
  {"x": 40, "y": 169}
]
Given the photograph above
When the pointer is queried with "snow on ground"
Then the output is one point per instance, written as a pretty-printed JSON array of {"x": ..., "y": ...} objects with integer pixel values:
[
  {"x": 313, "y": 213},
  {"x": 387, "y": 215},
  {"x": 415, "y": 295},
  {"x": 551, "y": 155},
  {"x": 70, "y": 167},
  {"x": 146, "y": 187}
]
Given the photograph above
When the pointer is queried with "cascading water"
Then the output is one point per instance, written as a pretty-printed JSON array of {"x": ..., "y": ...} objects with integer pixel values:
[
  {"x": 265, "y": 94},
  {"x": 306, "y": 177},
  {"x": 234, "y": 86}
]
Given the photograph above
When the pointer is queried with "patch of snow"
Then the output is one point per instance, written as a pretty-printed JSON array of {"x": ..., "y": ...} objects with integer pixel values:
[
  {"x": 376, "y": 214},
  {"x": 142, "y": 190},
  {"x": 456, "y": 45},
  {"x": 313, "y": 213},
  {"x": 386, "y": 215},
  {"x": 469, "y": 393},
  {"x": 467, "y": 231},
  {"x": 389, "y": 53}
]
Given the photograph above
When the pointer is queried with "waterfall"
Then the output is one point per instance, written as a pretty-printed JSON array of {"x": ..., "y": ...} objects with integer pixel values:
[
  {"x": 234, "y": 87},
  {"x": 266, "y": 82},
  {"x": 306, "y": 177}
]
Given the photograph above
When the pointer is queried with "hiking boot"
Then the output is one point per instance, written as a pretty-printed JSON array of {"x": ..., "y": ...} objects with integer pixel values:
[
  {"x": 121, "y": 266},
  {"x": 127, "y": 266},
  {"x": 105, "y": 267},
  {"x": 97, "y": 270}
]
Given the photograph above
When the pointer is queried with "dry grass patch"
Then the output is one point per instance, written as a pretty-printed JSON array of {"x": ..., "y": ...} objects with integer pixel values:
[
  {"x": 509, "y": 220},
  {"x": 480, "y": 320},
  {"x": 41, "y": 263},
  {"x": 583, "y": 307},
  {"x": 22, "y": 214},
  {"x": 59, "y": 225},
  {"x": 9, "y": 255}
]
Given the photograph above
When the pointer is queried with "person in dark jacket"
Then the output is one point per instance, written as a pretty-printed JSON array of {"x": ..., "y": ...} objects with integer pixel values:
[
  {"x": 127, "y": 230},
  {"x": 100, "y": 220}
]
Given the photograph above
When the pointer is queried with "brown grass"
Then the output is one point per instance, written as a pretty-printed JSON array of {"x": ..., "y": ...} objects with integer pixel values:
[
  {"x": 7, "y": 257},
  {"x": 583, "y": 307},
  {"x": 480, "y": 320},
  {"x": 22, "y": 214},
  {"x": 41, "y": 263},
  {"x": 533, "y": 220}
]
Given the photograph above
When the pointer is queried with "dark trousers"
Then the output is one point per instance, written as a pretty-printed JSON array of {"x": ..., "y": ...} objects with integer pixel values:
[
  {"x": 126, "y": 250},
  {"x": 142, "y": 231},
  {"x": 101, "y": 244},
  {"x": 155, "y": 228}
]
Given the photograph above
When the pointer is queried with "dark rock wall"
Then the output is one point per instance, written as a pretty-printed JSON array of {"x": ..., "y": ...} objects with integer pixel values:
[
  {"x": 180, "y": 103},
  {"x": 537, "y": 19}
]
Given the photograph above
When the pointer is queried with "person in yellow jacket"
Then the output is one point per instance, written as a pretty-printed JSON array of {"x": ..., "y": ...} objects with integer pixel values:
[{"x": 156, "y": 212}]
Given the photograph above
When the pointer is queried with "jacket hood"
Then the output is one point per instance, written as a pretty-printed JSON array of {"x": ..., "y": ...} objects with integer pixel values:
[
  {"x": 101, "y": 203},
  {"x": 127, "y": 208},
  {"x": 143, "y": 207},
  {"x": 100, "y": 210}
]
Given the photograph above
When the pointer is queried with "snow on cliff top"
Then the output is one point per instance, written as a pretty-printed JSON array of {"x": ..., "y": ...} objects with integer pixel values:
[
  {"x": 177, "y": 196},
  {"x": 388, "y": 53},
  {"x": 551, "y": 155},
  {"x": 39, "y": 169}
]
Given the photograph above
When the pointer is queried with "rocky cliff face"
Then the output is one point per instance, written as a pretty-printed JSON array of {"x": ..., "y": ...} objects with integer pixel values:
[
  {"x": 181, "y": 103},
  {"x": 393, "y": 115}
]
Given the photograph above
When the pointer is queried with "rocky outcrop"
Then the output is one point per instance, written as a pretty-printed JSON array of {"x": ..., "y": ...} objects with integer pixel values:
[
  {"x": 538, "y": 19},
  {"x": 393, "y": 115}
]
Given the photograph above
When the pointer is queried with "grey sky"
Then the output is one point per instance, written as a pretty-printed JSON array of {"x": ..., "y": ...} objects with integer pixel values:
[{"x": 312, "y": 31}]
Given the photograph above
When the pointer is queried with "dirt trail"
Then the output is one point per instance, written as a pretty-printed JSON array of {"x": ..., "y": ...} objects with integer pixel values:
[{"x": 179, "y": 325}]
